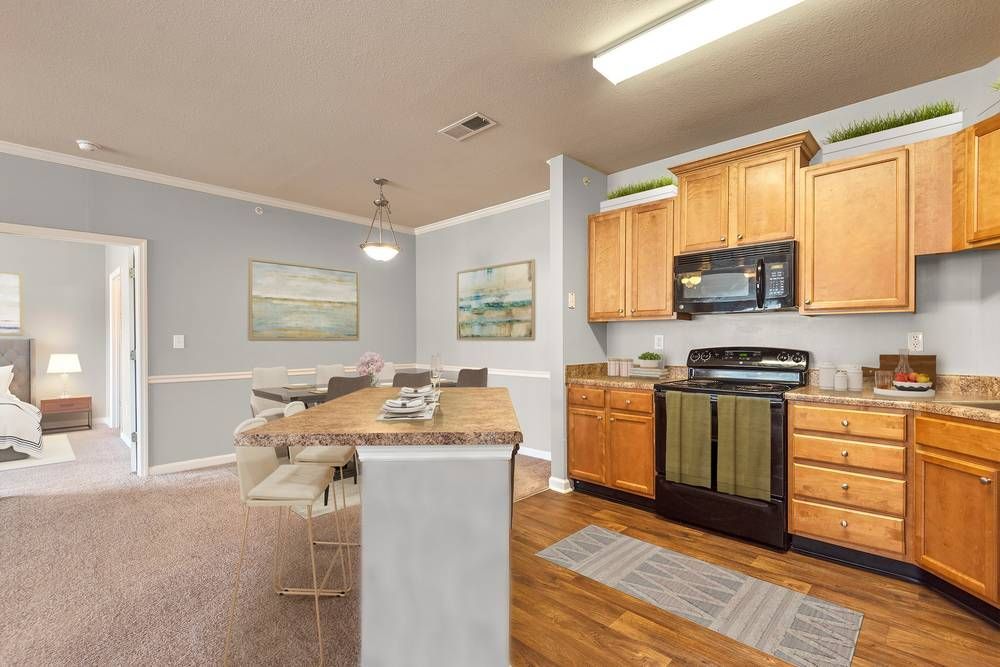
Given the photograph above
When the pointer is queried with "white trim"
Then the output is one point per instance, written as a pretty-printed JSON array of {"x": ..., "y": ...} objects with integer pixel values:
[
  {"x": 535, "y": 453},
  {"x": 103, "y": 420},
  {"x": 644, "y": 197},
  {"x": 184, "y": 183},
  {"x": 560, "y": 485},
  {"x": 482, "y": 213},
  {"x": 192, "y": 464},
  {"x": 434, "y": 452},
  {"x": 509, "y": 372}
]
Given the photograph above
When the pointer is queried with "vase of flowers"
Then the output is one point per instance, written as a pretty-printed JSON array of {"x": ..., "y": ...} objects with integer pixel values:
[{"x": 371, "y": 364}]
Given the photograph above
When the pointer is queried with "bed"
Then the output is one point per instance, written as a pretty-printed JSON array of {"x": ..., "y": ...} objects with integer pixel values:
[{"x": 20, "y": 421}]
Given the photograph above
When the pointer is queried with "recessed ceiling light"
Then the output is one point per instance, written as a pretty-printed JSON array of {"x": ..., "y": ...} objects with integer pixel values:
[
  {"x": 703, "y": 23},
  {"x": 88, "y": 146}
]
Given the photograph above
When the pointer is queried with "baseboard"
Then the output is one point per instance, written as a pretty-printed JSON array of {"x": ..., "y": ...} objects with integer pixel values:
[
  {"x": 106, "y": 421},
  {"x": 535, "y": 453},
  {"x": 192, "y": 464},
  {"x": 560, "y": 485}
]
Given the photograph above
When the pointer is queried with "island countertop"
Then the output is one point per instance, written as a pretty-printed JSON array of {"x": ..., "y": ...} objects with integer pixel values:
[{"x": 465, "y": 416}]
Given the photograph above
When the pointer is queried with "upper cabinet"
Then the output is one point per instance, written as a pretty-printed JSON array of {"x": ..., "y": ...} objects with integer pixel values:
[
  {"x": 631, "y": 263},
  {"x": 741, "y": 197},
  {"x": 854, "y": 242},
  {"x": 982, "y": 182}
]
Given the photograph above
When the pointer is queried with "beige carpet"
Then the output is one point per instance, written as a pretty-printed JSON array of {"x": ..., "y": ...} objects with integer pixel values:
[{"x": 100, "y": 568}]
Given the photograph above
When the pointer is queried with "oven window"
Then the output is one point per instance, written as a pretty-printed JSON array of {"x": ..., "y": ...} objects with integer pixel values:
[{"x": 717, "y": 286}]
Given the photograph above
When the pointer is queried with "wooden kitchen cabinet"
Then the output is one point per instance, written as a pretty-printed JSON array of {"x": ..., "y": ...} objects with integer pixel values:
[
  {"x": 586, "y": 437},
  {"x": 982, "y": 182},
  {"x": 610, "y": 442},
  {"x": 631, "y": 263},
  {"x": 855, "y": 251},
  {"x": 742, "y": 197}
]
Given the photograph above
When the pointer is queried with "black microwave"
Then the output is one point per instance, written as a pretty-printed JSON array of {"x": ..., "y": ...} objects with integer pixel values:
[{"x": 736, "y": 280}]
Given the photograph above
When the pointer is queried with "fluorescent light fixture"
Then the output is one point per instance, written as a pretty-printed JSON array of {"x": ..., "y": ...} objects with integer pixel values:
[{"x": 705, "y": 22}]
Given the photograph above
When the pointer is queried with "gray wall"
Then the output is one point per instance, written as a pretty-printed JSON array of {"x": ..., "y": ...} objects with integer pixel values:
[
  {"x": 63, "y": 292},
  {"x": 199, "y": 245},
  {"x": 516, "y": 235}
]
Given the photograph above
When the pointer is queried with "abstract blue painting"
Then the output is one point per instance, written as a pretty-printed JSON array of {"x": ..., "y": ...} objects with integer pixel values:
[
  {"x": 296, "y": 302},
  {"x": 497, "y": 302}
]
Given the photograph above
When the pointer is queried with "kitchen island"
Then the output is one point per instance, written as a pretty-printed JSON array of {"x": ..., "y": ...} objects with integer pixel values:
[{"x": 435, "y": 521}]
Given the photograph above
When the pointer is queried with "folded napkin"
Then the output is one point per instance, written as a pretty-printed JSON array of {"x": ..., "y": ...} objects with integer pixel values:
[
  {"x": 413, "y": 391},
  {"x": 404, "y": 402}
]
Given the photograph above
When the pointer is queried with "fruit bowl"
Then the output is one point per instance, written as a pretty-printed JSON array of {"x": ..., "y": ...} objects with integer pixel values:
[{"x": 912, "y": 386}]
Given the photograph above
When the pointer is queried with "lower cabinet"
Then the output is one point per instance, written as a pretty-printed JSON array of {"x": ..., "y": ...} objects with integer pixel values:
[{"x": 611, "y": 443}]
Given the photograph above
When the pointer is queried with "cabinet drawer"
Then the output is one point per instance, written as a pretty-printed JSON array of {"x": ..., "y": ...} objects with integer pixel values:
[
  {"x": 55, "y": 405},
  {"x": 879, "y": 494},
  {"x": 632, "y": 401},
  {"x": 861, "y": 529},
  {"x": 867, "y": 455},
  {"x": 969, "y": 439},
  {"x": 883, "y": 425},
  {"x": 590, "y": 397}
]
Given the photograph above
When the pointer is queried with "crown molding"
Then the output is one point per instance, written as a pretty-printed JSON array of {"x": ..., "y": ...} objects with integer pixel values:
[
  {"x": 184, "y": 183},
  {"x": 482, "y": 213}
]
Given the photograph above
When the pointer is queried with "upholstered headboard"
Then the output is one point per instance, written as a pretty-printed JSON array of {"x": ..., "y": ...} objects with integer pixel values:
[{"x": 17, "y": 351}]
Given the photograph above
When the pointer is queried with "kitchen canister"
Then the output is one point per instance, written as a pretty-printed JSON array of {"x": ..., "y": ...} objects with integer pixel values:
[
  {"x": 840, "y": 380},
  {"x": 827, "y": 369},
  {"x": 612, "y": 367},
  {"x": 855, "y": 378}
]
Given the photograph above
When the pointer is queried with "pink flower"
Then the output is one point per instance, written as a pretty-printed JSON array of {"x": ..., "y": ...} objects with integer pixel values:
[{"x": 370, "y": 363}]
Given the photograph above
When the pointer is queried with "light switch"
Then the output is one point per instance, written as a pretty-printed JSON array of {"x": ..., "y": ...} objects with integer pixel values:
[
  {"x": 571, "y": 300},
  {"x": 658, "y": 342},
  {"x": 178, "y": 341}
]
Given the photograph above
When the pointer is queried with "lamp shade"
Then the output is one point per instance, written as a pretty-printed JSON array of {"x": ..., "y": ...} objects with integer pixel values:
[{"x": 64, "y": 363}]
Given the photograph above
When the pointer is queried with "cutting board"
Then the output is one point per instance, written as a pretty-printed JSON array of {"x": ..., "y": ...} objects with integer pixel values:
[{"x": 920, "y": 363}]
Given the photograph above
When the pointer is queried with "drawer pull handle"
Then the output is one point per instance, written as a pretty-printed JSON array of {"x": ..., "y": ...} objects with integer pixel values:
[
  {"x": 985, "y": 480},
  {"x": 628, "y": 401},
  {"x": 844, "y": 453},
  {"x": 844, "y": 486},
  {"x": 583, "y": 397},
  {"x": 739, "y": 237},
  {"x": 845, "y": 423},
  {"x": 843, "y": 523}
]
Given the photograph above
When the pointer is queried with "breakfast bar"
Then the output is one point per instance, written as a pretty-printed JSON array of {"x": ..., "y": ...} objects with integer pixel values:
[{"x": 435, "y": 520}]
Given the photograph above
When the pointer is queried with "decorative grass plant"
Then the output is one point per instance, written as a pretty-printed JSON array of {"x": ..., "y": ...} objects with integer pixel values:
[
  {"x": 880, "y": 122},
  {"x": 996, "y": 85},
  {"x": 642, "y": 186}
]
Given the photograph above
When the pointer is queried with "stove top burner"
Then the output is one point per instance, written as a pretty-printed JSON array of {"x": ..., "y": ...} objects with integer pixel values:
[{"x": 729, "y": 386}]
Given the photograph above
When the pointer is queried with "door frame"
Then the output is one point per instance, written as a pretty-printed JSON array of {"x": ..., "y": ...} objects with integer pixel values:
[
  {"x": 115, "y": 351},
  {"x": 141, "y": 316}
]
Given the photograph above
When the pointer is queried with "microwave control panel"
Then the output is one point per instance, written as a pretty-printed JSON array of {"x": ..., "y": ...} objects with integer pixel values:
[{"x": 776, "y": 280}]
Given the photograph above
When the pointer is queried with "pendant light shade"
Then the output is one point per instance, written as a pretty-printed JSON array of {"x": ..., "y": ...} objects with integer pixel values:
[{"x": 381, "y": 250}]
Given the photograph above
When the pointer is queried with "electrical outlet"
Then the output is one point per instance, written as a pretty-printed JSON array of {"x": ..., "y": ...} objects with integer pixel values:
[
  {"x": 658, "y": 342},
  {"x": 915, "y": 341}
]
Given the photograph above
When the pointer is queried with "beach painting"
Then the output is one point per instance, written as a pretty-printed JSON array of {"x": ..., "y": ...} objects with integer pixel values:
[
  {"x": 295, "y": 302},
  {"x": 10, "y": 303},
  {"x": 497, "y": 302}
]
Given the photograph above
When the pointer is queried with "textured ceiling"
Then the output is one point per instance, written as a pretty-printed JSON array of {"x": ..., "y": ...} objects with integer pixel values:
[{"x": 307, "y": 100}]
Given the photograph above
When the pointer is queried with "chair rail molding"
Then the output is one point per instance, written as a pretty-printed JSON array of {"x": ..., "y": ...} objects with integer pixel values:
[{"x": 180, "y": 378}]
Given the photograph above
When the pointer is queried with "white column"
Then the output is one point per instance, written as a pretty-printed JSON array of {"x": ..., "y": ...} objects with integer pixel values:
[{"x": 435, "y": 555}]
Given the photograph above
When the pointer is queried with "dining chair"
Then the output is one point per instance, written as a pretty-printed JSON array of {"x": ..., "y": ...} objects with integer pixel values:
[
  {"x": 264, "y": 482},
  {"x": 324, "y": 373},
  {"x": 472, "y": 377},
  {"x": 418, "y": 379},
  {"x": 387, "y": 372},
  {"x": 294, "y": 408},
  {"x": 274, "y": 376}
]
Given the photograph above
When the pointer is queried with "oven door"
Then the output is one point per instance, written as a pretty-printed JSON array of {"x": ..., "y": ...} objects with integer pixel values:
[{"x": 737, "y": 280}]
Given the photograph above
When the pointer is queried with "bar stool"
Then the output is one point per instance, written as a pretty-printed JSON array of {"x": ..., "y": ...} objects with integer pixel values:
[{"x": 266, "y": 483}]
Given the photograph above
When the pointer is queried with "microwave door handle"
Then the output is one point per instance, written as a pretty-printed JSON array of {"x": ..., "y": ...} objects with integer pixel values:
[{"x": 760, "y": 283}]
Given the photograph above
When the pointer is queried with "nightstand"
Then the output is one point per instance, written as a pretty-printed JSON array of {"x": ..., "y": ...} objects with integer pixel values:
[{"x": 57, "y": 413}]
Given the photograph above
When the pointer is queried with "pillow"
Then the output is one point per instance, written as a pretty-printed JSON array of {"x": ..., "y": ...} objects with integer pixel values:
[{"x": 6, "y": 376}]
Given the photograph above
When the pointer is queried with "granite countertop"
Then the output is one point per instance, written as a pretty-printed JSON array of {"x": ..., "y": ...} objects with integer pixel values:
[
  {"x": 942, "y": 403},
  {"x": 465, "y": 416},
  {"x": 596, "y": 375}
]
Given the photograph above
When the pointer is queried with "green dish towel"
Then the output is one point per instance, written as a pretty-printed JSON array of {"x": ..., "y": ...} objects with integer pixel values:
[
  {"x": 689, "y": 439},
  {"x": 743, "y": 467}
]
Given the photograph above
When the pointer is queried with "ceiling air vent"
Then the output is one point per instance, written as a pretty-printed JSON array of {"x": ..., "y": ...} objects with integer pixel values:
[{"x": 467, "y": 127}]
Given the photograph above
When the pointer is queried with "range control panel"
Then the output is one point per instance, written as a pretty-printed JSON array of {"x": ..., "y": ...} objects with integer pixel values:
[{"x": 749, "y": 357}]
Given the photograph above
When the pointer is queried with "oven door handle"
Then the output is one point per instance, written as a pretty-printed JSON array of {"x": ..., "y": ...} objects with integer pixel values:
[{"x": 760, "y": 283}]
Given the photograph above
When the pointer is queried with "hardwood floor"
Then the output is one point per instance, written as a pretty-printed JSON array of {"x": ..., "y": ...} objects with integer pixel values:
[{"x": 561, "y": 618}]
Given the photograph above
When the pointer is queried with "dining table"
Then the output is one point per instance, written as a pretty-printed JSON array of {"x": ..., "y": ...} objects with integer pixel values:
[{"x": 311, "y": 394}]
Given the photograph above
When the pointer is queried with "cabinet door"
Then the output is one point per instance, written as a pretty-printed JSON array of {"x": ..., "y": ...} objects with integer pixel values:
[
  {"x": 982, "y": 221},
  {"x": 651, "y": 261},
  {"x": 586, "y": 444},
  {"x": 765, "y": 198},
  {"x": 855, "y": 252},
  {"x": 606, "y": 300},
  {"x": 704, "y": 209},
  {"x": 630, "y": 453},
  {"x": 957, "y": 515}
]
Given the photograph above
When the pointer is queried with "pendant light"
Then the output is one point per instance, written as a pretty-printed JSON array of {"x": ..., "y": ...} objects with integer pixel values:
[{"x": 381, "y": 250}]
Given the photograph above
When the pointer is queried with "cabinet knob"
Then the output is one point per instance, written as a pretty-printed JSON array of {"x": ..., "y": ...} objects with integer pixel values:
[
  {"x": 985, "y": 480},
  {"x": 633, "y": 310},
  {"x": 628, "y": 401},
  {"x": 845, "y": 423},
  {"x": 621, "y": 310},
  {"x": 583, "y": 397},
  {"x": 600, "y": 417},
  {"x": 844, "y": 486},
  {"x": 843, "y": 523},
  {"x": 844, "y": 453},
  {"x": 808, "y": 301},
  {"x": 722, "y": 238},
  {"x": 739, "y": 237},
  {"x": 611, "y": 418}
]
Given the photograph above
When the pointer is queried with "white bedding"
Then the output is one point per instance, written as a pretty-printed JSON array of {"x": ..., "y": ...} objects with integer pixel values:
[{"x": 20, "y": 426}]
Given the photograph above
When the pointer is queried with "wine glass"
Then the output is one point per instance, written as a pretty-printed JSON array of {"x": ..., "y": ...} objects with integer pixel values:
[{"x": 435, "y": 371}]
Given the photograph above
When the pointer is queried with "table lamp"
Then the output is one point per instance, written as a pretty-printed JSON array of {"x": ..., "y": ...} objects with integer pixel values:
[{"x": 64, "y": 364}]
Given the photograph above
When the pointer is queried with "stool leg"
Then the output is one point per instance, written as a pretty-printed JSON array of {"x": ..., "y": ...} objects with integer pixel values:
[
  {"x": 279, "y": 552},
  {"x": 236, "y": 585},
  {"x": 312, "y": 558}
]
